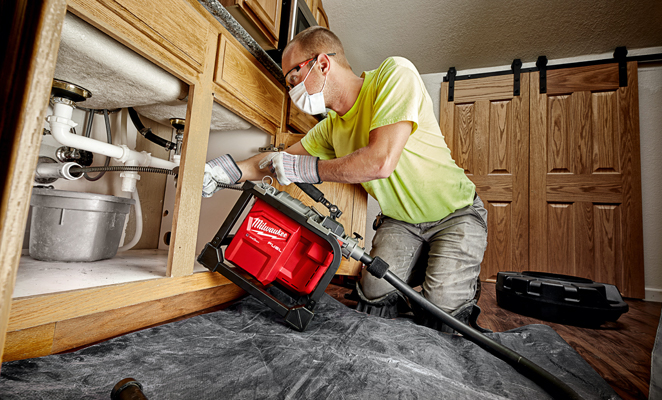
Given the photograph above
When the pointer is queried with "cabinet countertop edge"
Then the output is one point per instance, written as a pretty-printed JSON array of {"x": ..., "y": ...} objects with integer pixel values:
[{"x": 223, "y": 16}]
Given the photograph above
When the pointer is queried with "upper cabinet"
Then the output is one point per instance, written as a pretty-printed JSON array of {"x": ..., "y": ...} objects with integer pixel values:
[
  {"x": 318, "y": 12},
  {"x": 260, "y": 18}
]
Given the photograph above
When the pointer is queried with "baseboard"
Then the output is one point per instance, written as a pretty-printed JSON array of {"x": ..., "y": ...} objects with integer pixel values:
[{"x": 653, "y": 294}]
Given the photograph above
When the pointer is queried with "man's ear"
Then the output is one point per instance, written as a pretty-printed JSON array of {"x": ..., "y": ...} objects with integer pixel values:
[{"x": 324, "y": 63}]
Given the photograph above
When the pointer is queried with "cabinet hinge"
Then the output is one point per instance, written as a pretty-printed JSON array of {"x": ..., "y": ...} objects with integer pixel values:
[{"x": 272, "y": 148}]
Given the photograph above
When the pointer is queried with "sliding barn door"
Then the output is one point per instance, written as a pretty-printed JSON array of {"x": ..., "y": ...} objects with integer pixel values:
[
  {"x": 585, "y": 215},
  {"x": 487, "y": 129}
]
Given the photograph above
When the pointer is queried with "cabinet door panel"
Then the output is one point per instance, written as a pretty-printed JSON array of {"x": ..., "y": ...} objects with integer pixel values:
[
  {"x": 487, "y": 131},
  {"x": 268, "y": 12},
  {"x": 585, "y": 177},
  {"x": 238, "y": 72}
]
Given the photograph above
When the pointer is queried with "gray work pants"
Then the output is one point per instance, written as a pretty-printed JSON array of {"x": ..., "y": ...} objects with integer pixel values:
[{"x": 456, "y": 247}]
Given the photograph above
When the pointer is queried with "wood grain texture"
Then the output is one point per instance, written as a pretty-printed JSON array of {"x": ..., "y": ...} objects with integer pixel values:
[
  {"x": 319, "y": 13},
  {"x": 585, "y": 225},
  {"x": 605, "y": 188},
  {"x": 33, "y": 311},
  {"x": 538, "y": 177},
  {"x": 82, "y": 331},
  {"x": 299, "y": 121},
  {"x": 29, "y": 343},
  {"x": 592, "y": 78},
  {"x": 240, "y": 73},
  {"x": 268, "y": 13},
  {"x": 633, "y": 237},
  {"x": 488, "y": 134},
  {"x": 491, "y": 88},
  {"x": 559, "y": 137},
  {"x": 463, "y": 134},
  {"x": 227, "y": 99},
  {"x": 501, "y": 125},
  {"x": 560, "y": 222},
  {"x": 260, "y": 19},
  {"x": 585, "y": 157},
  {"x": 606, "y": 136},
  {"x": 447, "y": 118},
  {"x": 499, "y": 222},
  {"x": 580, "y": 131},
  {"x": 186, "y": 213},
  {"x": 31, "y": 56},
  {"x": 161, "y": 37}
]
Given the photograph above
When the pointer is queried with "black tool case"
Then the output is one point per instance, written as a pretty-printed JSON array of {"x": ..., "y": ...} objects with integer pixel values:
[{"x": 559, "y": 298}]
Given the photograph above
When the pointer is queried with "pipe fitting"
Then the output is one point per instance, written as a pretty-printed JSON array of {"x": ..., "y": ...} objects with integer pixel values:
[
  {"x": 47, "y": 170},
  {"x": 61, "y": 125}
]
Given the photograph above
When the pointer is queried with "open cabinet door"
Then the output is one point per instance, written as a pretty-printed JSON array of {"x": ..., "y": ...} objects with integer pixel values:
[
  {"x": 486, "y": 128},
  {"x": 585, "y": 199}
]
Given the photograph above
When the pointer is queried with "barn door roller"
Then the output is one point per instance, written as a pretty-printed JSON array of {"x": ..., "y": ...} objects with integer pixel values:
[
  {"x": 516, "y": 66},
  {"x": 620, "y": 54},
  {"x": 452, "y": 72},
  {"x": 541, "y": 63}
]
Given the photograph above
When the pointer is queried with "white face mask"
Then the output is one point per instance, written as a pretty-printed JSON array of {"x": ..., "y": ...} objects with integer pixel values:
[{"x": 312, "y": 104}]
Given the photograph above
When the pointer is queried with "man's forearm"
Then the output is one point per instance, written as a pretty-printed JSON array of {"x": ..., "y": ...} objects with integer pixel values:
[
  {"x": 250, "y": 170},
  {"x": 358, "y": 167}
]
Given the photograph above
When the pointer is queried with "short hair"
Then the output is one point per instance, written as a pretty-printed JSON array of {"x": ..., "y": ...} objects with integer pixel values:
[{"x": 318, "y": 39}]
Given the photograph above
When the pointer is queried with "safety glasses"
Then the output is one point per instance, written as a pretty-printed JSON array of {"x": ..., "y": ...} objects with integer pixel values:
[{"x": 303, "y": 64}]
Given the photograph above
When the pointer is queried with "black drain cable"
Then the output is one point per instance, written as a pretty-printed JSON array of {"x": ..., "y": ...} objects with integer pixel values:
[
  {"x": 136, "y": 168},
  {"x": 550, "y": 383}
]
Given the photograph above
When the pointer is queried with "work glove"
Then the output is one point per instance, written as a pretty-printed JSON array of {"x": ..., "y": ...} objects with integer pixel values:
[
  {"x": 292, "y": 168},
  {"x": 219, "y": 170}
]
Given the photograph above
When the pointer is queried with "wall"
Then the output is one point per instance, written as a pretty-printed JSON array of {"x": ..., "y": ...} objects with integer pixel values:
[
  {"x": 241, "y": 145},
  {"x": 650, "y": 126}
]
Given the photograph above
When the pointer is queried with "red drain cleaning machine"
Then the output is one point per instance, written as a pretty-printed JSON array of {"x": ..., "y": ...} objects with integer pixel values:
[{"x": 282, "y": 242}]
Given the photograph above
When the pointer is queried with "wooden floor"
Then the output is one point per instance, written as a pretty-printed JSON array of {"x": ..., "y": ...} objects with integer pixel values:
[{"x": 619, "y": 351}]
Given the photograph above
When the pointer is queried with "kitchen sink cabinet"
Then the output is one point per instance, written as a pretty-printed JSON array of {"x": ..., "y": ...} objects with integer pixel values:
[
  {"x": 186, "y": 40},
  {"x": 260, "y": 18}
]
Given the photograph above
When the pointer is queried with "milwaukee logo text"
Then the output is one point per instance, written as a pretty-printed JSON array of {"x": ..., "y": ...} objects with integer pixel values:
[{"x": 260, "y": 227}]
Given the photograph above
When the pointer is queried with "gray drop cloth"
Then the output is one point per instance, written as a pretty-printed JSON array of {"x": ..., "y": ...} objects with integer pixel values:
[
  {"x": 655, "y": 392},
  {"x": 245, "y": 352}
]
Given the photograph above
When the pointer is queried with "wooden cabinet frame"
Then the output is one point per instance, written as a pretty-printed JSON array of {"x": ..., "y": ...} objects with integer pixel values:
[{"x": 183, "y": 42}]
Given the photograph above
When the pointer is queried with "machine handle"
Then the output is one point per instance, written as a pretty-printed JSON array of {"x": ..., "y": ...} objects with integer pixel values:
[
  {"x": 317, "y": 195},
  {"x": 311, "y": 190}
]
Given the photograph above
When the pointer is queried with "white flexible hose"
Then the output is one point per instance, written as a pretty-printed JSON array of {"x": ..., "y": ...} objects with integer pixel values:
[{"x": 139, "y": 224}]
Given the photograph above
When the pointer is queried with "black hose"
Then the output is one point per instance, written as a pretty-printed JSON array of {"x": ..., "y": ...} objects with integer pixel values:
[
  {"x": 147, "y": 132},
  {"x": 109, "y": 139},
  {"x": 553, "y": 385}
]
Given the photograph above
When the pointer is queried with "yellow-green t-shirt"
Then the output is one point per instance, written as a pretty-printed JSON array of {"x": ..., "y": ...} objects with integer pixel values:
[{"x": 426, "y": 185}]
